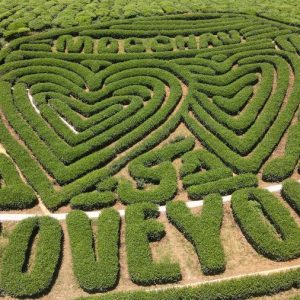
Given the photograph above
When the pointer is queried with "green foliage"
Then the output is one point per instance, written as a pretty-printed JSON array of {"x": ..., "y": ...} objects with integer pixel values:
[
  {"x": 66, "y": 42},
  {"x": 99, "y": 271},
  {"x": 291, "y": 193},
  {"x": 154, "y": 167},
  {"x": 88, "y": 101},
  {"x": 16, "y": 278},
  {"x": 108, "y": 184},
  {"x": 64, "y": 14},
  {"x": 203, "y": 173},
  {"x": 98, "y": 106},
  {"x": 281, "y": 168},
  {"x": 242, "y": 288},
  {"x": 141, "y": 229},
  {"x": 266, "y": 223},
  {"x": 224, "y": 186},
  {"x": 14, "y": 193},
  {"x": 134, "y": 45},
  {"x": 93, "y": 200},
  {"x": 203, "y": 231}
]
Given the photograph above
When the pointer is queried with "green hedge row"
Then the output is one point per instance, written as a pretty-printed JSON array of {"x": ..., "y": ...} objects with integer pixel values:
[
  {"x": 236, "y": 103},
  {"x": 263, "y": 136},
  {"x": 95, "y": 272},
  {"x": 14, "y": 194},
  {"x": 141, "y": 229},
  {"x": 138, "y": 31},
  {"x": 289, "y": 42},
  {"x": 266, "y": 223},
  {"x": 281, "y": 168},
  {"x": 35, "y": 47},
  {"x": 203, "y": 231},
  {"x": 234, "y": 81},
  {"x": 256, "y": 127},
  {"x": 93, "y": 200},
  {"x": 291, "y": 193},
  {"x": 105, "y": 195},
  {"x": 155, "y": 168},
  {"x": 76, "y": 160},
  {"x": 225, "y": 186},
  {"x": 241, "y": 288},
  {"x": 16, "y": 278},
  {"x": 77, "y": 169},
  {"x": 27, "y": 165}
]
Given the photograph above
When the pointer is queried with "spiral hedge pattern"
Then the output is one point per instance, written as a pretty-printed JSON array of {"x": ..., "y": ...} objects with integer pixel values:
[{"x": 78, "y": 105}]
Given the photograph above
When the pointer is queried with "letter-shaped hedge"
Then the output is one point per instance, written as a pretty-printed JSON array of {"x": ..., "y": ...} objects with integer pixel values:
[
  {"x": 203, "y": 173},
  {"x": 203, "y": 231},
  {"x": 276, "y": 236},
  {"x": 154, "y": 167},
  {"x": 15, "y": 194},
  {"x": 95, "y": 274},
  {"x": 140, "y": 230},
  {"x": 16, "y": 279}
]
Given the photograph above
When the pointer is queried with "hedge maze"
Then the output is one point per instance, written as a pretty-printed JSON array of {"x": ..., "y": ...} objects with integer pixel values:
[
  {"x": 87, "y": 102},
  {"x": 91, "y": 118}
]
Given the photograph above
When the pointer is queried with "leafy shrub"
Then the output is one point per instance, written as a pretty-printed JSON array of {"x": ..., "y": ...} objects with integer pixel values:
[
  {"x": 95, "y": 272},
  {"x": 261, "y": 234},
  {"x": 203, "y": 231},
  {"x": 15, "y": 194},
  {"x": 291, "y": 193},
  {"x": 243, "y": 288},
  {"x": 16, "y": 279},
  {"x": 140, "y": 230},
  {"x": 93, "y": 200},
  {"x": 154, "y": 167},
  {"x": 282, "y": 167}
]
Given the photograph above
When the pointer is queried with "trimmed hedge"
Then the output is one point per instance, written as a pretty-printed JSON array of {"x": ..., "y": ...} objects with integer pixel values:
[
  {"x": 15, "y": 194},
  {"x": 291, "y": 193},
  {"x": 203, "y": 173},
  {"x": 95, "y": 272},
  {"x": 93, "y": 200},
  {"x": 263, "y": 136},
  {"x": 141, "y": 229},
  {"x": 242, "y": 288},
  {"x": 223, "y": 186},
  {"x": 133, "y": 96},
  {"x": 75, "y": 164},
  {"x": 154, "y": 167},
  {"x": 16, "y": 279},
  {"x": 203, "y": 231},
  {"x": 281, "y": 168},
  {"x": 66, "y": 42},
  {"x": 289, "y": 42},
  {"x": 266, "y": 223}
]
